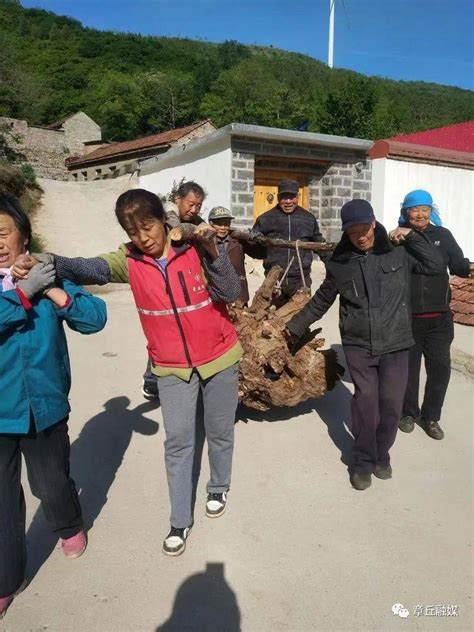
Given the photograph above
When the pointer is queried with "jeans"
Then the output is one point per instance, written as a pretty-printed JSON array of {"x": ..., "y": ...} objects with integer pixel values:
[
  {"x": 433, "y": 338},
  {"x": 46, "y": 456}
]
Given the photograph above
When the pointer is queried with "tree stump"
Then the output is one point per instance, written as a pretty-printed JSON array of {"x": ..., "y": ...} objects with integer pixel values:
[{"x": 271, "y": 372}]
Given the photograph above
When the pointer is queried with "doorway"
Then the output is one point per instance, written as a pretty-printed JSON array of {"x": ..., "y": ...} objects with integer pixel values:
[{"x": 265, "y": 194}]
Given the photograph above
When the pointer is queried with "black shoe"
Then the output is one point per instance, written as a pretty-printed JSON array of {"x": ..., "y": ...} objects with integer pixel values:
[
  {"x": 150, "y": 388},
  {"x": 384, "y": 472},
  {"x": 215, "y": 505},
  {"x": 432, "y": 429},
  {"x": 175, "y": 541},
  {"x": 406, "y": 424},
  {"x": 361, "y": 481}
]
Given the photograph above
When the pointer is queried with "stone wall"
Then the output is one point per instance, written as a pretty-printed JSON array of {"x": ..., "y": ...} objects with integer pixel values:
[
  {"x": 46, "y": 149},
  {"x": 336, "y": 176},
  {"x": 80, "y": 128},
  {"x": 242, "y": 184}
]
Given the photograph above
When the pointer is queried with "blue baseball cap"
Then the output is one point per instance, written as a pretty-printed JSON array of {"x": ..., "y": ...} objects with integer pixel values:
[{"x": 417, "y": 198}]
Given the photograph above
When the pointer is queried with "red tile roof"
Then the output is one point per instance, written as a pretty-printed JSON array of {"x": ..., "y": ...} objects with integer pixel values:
[
  {"x": 462, "y": 300},
  {"x": 130, "y": 146},
  {"x": 397, "y": 150},
  {"x": 458, "y": 137}
]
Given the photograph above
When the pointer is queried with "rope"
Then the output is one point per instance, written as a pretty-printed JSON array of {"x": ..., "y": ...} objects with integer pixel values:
[
  {"x": 279, "y": 283},
  {"x": 299, "y": 263}
]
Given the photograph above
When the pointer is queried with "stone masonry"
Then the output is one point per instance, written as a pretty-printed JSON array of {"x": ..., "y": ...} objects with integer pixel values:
[
  {"x": 46, "y": 148},
  {"x": 337, "y": 175}
]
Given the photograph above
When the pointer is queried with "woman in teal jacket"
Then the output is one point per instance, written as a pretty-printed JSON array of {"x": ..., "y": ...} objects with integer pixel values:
[{"x": 35, "y": 379}]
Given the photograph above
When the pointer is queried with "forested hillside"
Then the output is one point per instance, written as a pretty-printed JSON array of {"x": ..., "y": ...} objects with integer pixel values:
[{"x": 51, "y": 66}]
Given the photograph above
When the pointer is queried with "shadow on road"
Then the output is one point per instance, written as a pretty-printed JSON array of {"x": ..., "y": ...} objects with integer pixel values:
[
  {"x": 204, "y": 601},
  {"x": 334, "y": 409},
  {"x": 96, "y": 456}
]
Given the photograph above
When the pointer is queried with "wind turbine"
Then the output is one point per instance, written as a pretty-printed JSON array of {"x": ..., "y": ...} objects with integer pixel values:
[{"x": 332, "y": 6}]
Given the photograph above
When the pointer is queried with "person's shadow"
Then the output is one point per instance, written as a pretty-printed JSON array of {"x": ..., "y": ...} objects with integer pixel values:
[
  {"x": 96, "y": 456},
  {"x": 334, "y": 409},
  {"x": 204, "y": 603}
]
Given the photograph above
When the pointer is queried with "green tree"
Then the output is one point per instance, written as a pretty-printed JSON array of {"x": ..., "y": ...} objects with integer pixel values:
[
  {"x": 348, "y": 108},
  {"x": 117, "y": 105},
  {"x": 167, "y": 100}
]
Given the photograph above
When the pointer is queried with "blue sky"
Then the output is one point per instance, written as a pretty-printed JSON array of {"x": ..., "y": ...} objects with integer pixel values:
[{"x": 427, "y": 40}]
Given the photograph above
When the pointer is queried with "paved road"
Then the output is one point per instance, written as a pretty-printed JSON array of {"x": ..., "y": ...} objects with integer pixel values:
[{"x": 297, "y": 550}]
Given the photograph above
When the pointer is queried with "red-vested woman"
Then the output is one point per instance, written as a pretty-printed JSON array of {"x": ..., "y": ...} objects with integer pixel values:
[{"x": 181, "y": 295}]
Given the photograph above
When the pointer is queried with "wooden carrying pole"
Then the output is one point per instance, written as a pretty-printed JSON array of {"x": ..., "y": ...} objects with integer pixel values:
[{"x": 185, "y": 232}]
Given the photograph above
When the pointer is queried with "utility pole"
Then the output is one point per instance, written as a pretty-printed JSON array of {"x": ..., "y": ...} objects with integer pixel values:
[{"x": 332, "y": 4}]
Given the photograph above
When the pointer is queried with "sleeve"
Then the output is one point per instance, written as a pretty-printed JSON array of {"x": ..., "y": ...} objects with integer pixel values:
[
  {"x": 172, "y": 215},
  {"x": 223, "y": 280},
  {"x": 458, "y": 264},
  {"x": 322, "y": 300},
  {"x": 257, "y": 228},
  {"x": 317, "y": 236},
  {"x": 83, "y": 313},
  {"x": 256, "y": 251},
  {"x": 423, "y": 257},
  {"x": 106, "y": 268},
  {"x": 13, "y": 311}
]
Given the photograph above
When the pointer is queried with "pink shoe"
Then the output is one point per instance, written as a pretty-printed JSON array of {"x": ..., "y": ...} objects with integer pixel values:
[
  {"x": 6, "y": 602},
  {"x": 75, "y": 546}
]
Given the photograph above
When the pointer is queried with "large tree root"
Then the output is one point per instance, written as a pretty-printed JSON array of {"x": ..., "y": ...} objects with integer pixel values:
[{"x": 272, "y": 374}]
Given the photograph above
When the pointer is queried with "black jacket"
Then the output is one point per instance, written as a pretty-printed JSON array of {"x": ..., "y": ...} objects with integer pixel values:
[
  {"x": 374, "y": 310},
  {"x": 300, "y": 224},
  {"x": 432, "y": 293}
]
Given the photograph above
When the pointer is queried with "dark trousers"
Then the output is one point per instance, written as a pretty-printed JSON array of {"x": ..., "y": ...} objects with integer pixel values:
[
  {"x": 148, "y": 375},
  {"x": 46, "y": 456},
  {"x": 379, "y": 386},
  {"x": 433, "y": 338}
]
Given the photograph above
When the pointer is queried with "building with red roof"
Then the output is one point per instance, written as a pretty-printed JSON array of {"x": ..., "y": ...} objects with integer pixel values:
[
  {"x": 114, "y": 159},
  {"x": 439, "y": 160},
  {"x": 457, "y": 137}
]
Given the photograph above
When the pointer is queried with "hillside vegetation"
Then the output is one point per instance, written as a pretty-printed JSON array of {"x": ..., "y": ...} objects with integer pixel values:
[{"x": 52, "y": 66}]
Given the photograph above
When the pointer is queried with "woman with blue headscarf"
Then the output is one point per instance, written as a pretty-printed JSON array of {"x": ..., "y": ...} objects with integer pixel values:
[{"x": 432, "y": 320}]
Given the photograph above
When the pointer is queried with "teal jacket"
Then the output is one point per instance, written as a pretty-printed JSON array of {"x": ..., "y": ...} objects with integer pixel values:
[{"x": 35, "y": 374}]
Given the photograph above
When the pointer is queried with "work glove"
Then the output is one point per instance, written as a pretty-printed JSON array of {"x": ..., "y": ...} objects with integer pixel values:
[{"x": 41, "y": 277}]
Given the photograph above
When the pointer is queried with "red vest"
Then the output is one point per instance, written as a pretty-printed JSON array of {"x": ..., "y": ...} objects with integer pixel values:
[{"x": 183, "y": 326}]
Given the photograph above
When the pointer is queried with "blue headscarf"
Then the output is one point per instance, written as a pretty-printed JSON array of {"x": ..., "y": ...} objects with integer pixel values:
[{"x": 419, "y": 198}]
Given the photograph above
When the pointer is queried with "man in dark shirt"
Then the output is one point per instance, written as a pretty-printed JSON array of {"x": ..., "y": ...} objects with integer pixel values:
[
  {"x": 372, "y": 279},
  {"x": 288, "y": 221}
]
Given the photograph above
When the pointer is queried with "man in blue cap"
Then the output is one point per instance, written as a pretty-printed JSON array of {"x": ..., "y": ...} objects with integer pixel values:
[
  {"x": 432, "y": 320},
  {"x": 372, "y": 278}
]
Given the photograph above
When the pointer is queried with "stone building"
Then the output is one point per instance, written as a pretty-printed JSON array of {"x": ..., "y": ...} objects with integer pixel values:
[
  {"x": 240, "y": 167},
  {"x": 118, "y": 159},
  {"x": 46, "y": 148}
]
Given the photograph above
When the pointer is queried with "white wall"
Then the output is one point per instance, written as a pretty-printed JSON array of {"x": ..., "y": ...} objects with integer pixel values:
[
  {"x": 210, "y": 166},
  {"x": 78, "y": 219},
  {"x": 452, "y": 190}
]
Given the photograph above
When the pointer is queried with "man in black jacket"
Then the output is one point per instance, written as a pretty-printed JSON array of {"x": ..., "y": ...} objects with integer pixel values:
[
  {"x": 432, "y": 320},
  {"x": 372, "y": 278},
  {"x": 288, "y": 221}
]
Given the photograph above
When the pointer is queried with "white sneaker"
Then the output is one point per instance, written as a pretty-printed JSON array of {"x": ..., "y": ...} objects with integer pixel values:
[
  {"x": 175, "y": 541},
  {"x": 215, "y": 505}
]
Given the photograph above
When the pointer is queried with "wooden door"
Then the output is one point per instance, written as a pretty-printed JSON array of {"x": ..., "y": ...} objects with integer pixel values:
[{"x": 265, "y": 194}]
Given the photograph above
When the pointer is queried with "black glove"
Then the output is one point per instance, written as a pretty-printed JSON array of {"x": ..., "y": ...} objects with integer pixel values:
[{"x": 39, "y": 278}]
